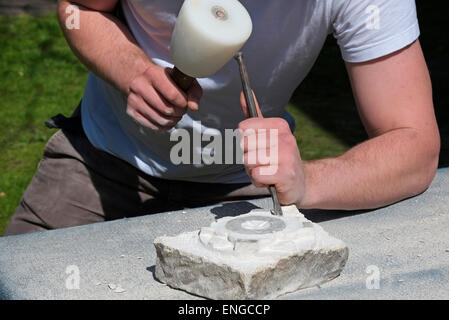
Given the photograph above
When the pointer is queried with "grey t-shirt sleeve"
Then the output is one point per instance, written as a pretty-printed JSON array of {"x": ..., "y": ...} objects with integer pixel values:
[{"x": 369, "y": 29}]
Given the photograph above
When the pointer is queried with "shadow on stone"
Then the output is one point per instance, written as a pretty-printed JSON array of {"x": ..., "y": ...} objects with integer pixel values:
[
  {"x": 317, "y": 215},
  {"x": 233, "y": 209},
  {"x": 152, "y": 269}
]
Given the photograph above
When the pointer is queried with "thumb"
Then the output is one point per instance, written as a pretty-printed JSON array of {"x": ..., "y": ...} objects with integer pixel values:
[{"x": 245, "y": 107}]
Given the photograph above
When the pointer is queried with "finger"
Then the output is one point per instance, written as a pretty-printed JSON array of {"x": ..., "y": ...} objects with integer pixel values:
[
  {"x": 257, "y": 158},
  {"x": 142, "y": 120},
  {"x": 137, "y": 104},
  {"x": 267, "y": 123},
  {"x": 254, "y": 178},
  {"x": 259, "y": 185},
  {"x": 258, "y": 139},
  {"x": 249, "y": 172},
  {"x": 194, "y": 95},
  {"x": 157, "y": 101},
  {"x": 265, "y": 175},
  {"x": 131, "y": 111},
  {"x": 250, "y": 159},
  {"x": 156, "y": 117},
  {"x": 165, "y": 85},
  {"x": 161, "y": 120},
  {"x": 145, "y": 88},
  {"x": 245, "y": 107}
]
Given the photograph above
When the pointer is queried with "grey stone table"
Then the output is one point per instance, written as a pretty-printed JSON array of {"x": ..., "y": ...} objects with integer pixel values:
[{"x": 405, "y": 246}]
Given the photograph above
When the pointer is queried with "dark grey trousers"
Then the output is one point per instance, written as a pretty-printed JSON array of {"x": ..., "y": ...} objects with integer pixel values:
[{"x": 77, "y": 184}]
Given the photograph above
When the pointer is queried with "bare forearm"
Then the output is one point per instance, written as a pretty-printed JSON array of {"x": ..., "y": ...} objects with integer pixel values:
[
  {"x": 380, "y": 171},
  {"x": 105, "y": 46},
  {"x": 394, "y": 98}
]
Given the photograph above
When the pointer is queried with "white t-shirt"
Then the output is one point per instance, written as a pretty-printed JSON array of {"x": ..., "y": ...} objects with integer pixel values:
[{"x": 286, "y": 40}]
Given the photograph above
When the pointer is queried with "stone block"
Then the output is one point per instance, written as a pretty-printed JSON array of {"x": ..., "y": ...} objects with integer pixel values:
[{"x": 252, "y": 256}]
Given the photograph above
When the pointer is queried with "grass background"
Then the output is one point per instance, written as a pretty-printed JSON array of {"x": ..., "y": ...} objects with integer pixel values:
[{"x": 40, "y": 77}]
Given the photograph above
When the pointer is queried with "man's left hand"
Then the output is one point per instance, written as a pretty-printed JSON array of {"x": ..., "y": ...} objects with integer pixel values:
[{"x": 271, "y": 157}]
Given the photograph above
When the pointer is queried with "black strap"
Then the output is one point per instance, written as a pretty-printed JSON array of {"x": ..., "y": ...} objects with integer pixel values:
[{"x": 72, "y": 123}]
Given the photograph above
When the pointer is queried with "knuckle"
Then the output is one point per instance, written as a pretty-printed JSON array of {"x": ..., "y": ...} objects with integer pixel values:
[
  {"x": 256, "y": 174},
  {"x": 171, "y": 95},
  {"x": 134, "y": 101},
  {"x": 248, "y": 131},
  {"x": 151, "y": 72},
  {"x": 131, "y": 99},
  {"x": 134, "y": 85},
  {"x": 282, "y": 124},
  {"x": 250, "y": 159},
  {"x": 242, "y": 125},
  {"x": 138, "y": 84},
  {"x": 246, "y": 124}
]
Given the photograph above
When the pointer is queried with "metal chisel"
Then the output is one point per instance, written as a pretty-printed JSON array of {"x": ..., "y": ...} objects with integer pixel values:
[{"x": 252, "y": 111}]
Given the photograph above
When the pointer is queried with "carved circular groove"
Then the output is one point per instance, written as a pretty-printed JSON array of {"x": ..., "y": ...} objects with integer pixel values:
[{"x": 255, "y": 225}]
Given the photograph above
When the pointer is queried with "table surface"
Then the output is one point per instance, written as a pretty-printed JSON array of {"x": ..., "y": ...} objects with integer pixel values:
[{"x": 406, "y": 245}]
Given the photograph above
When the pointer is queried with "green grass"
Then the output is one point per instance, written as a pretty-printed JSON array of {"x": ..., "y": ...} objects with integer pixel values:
[
  {"x": 327, "y": 122},
  {"x": 39, "y": 77}
]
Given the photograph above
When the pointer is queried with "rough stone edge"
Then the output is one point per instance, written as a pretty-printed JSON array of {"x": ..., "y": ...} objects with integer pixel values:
[
  {"x": 210, "y": 274},
  {"x": 294, "y": 265}
]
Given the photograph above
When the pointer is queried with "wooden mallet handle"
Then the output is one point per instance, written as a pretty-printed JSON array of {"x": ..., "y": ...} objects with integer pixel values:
[{"x": 181, "y": 79}]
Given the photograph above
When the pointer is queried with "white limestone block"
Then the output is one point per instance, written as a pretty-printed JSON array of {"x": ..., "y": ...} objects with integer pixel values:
[{"x": 252, "y": 256}]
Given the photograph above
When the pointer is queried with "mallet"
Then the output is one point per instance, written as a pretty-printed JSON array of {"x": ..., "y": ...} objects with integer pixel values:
[{"x": 206, "y": 36}]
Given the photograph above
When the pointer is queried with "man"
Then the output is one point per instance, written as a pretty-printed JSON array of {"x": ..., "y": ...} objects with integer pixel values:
[{"x": 117, "y": 163}]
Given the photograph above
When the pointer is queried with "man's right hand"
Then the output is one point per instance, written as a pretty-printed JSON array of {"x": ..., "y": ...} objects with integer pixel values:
[
  {"x": 156, "y": 102},
  {"x": 107, "y": 48}
]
